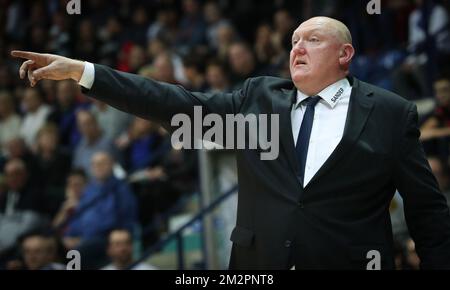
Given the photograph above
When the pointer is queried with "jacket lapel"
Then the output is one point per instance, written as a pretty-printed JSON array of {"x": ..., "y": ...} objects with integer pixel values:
[
  {"x": 360, "y": 107},
  {"x": 283, "y": 106}
]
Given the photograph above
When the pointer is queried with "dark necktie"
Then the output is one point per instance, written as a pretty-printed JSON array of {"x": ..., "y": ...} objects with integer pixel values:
[{"x": 305, "y": 133}]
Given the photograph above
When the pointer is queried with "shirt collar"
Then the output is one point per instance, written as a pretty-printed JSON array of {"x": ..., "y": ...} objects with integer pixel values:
[{"x": 331, "y": 94}]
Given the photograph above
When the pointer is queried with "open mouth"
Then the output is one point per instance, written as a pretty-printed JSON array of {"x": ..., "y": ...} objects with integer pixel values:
[{"x": 299, "y": 62}]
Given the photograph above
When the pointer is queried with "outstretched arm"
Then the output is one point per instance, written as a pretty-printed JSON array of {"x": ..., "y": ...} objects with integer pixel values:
[{"x": 131, "y": 93}]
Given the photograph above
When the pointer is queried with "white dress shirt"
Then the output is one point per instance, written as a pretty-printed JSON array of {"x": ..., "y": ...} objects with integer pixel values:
[
  {"x": 328, "y": 126},
  {"x": 330, "y": 115},
  {"x": 88, "y": 76}
]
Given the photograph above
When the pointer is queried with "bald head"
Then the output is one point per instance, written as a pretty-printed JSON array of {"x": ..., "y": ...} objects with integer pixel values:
[
  {"x": 330, "y": 25},
  {"x": 321, "y": 54},
  {"x": 336, "y": 27}
]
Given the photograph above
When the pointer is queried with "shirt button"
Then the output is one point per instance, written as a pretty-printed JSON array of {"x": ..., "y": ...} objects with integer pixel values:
[
  {"x": 287, "y": 244},
  {"x": 300, "y": 204}
]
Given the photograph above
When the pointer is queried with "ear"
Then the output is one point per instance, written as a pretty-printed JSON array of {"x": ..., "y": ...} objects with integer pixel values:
[{"x": 346, "y": 54}]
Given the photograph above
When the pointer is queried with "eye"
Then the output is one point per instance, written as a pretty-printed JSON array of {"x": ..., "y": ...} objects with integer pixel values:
[
  {"x": 313, "y": 39},
  {"x": 294, "y": 42}
]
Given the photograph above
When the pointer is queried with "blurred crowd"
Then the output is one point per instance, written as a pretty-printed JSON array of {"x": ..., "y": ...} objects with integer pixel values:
[{"x": 79, "y": 174}]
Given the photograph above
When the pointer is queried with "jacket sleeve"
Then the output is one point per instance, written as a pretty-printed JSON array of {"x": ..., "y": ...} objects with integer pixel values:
[
  {"x": 158, "y": 101},
  {"x": 426, "y": 209}
]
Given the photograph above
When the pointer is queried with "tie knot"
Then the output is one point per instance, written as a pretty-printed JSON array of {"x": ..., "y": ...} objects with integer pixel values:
[{"x": 311, "y": 101}]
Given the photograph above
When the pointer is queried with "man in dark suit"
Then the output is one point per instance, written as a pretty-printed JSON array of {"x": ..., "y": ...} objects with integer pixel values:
[{"x": 324, "y": 202}]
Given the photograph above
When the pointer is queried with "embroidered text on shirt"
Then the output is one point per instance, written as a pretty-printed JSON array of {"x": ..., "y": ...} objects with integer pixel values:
[{"x": 337, "y": 95}]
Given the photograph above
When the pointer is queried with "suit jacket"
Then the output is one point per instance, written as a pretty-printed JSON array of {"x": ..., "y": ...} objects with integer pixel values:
[{"x": 343, "y": 212}]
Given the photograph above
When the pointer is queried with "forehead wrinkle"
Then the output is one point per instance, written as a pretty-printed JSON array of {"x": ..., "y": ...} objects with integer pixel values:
[
  {"x": 311, "y": 30},
  {"x": 328, "y": 26}
]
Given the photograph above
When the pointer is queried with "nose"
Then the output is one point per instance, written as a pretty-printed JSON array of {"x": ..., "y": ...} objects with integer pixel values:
[{"x": 299, "y": 49}]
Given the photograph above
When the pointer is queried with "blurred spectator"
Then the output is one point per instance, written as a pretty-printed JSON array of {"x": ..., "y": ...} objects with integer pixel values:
[
  {"x": 380, "y": 68},
  {"x": 120, "y": 252},
  {"x": 36, "y": 113},
  {"x": 39, "y": 252},
  {"x": 136, "y": 58},
  {"x": 19, "y": 194},
  {"x": 242, "y": 63},
  {"x": 38, "y": 15},
  {"x": 164, "y": 27},
  {"x": 106, "y": 203},
  {"x": 9, "y": 120},
  {"x": 162, "y": 69},
  {"x": 140, "y": 144},
  {"x": 226, "y": 36},
  {"x": 435, "y": 130},
  {"x": 92, "y": 141},
  {"x": 428, "y": 22},
  {"x": 284, "y": 26},
  {"x": 111, "y": 38},
  {"x": 438, "y": 124},
  {"x": 60, "y": 37},
  {"x": 428, "y": 45},
  {"x": 86, "y": 47},
  {"x": 192, "y": 27},
  {"x": 137, "y": 30},
  {"x": 214, "y": 20},
  {"x": 157, "y": 47},
  {"x": 111, "y": 121},
  {"x": 14, "y": 27},
  {"x": 21, "y": 205},
  {"x": 53, "y": 164},
  {"x": 217, "y": 78},
  {"x": 48, "y": 90},
  {"x": 64, "y": 114},
  {"x": 194, "y": 71},
  {"x": 75, "y": 186},
  {"x": 266, "y": 50},
  {"x": 17, "y": 149}
]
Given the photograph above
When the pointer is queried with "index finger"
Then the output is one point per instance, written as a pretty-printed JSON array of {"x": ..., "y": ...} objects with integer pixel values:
[{"x": 25, "y": 54}]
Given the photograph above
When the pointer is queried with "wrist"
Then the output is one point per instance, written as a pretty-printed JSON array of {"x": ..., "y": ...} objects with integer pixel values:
[{"x": 77, "y": 70}]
